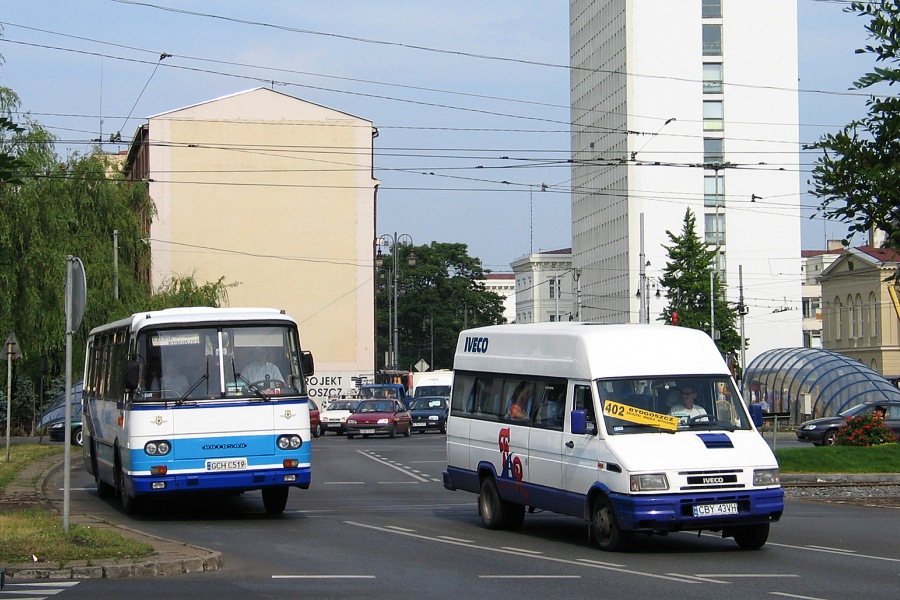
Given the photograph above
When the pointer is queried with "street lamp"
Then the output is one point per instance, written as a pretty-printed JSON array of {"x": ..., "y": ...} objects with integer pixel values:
[{"x": 393, "y": 242}]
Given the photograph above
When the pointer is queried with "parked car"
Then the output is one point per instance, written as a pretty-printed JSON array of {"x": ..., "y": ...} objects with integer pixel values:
[
  {"x": 429, "y": 413},
  {"x": 335, "y": 415},
  {"x": 373, "y": 417},
  {"x": 314, "y": 418},
  {"x": 53, "y": 420},
  {"x": 824, "y": 431}
]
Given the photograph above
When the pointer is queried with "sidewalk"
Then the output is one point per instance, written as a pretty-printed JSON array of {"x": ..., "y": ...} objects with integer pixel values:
[{"x": 170, "y": 557}]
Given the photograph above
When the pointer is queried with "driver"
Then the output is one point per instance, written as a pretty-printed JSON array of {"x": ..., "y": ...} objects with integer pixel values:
[
  {"x": 260, "y": 369},
  {"x": 687, "y": 409}
]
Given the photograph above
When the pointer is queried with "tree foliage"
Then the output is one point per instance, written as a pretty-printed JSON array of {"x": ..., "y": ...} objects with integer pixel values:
[
  {"x": 51, "y": 209},
  {"x": 857, "y": 177},
  {"x": 441, "y": 293},
  {"x": 686, "y": 276}
]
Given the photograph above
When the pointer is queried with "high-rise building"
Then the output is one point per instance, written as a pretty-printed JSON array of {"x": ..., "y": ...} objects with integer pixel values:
[{"x": 687, "y": 104}]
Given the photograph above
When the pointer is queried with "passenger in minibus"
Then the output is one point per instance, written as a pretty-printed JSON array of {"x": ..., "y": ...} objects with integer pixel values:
[{"x": 520, "y": 408}]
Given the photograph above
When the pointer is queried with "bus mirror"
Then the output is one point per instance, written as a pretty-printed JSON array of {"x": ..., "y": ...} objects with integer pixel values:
[
  {"x": 756, "y": 414},
  {"x": 579, "y": 422},
  {"x": 306, "y": 363},
  {"x": 132, "y": 374}
]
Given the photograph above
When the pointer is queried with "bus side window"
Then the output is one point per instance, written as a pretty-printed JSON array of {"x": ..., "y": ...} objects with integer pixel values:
[{"x": 583, "y": 401}]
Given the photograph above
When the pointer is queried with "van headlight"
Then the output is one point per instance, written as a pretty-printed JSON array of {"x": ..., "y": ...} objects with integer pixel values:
[
  {"x": 766, "y": 477},
  {"x": 649, "y": 482}
]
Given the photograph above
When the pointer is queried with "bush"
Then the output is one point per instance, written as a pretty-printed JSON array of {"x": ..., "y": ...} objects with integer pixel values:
[{"x": 865, "y": 431}]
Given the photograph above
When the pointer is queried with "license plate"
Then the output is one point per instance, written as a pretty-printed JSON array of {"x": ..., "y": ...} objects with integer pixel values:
[
  {"x": 715, "y": 510},
  {"x": 228, "y": 464},
  {"x": 367, "y": 431},
  {"x": 420, "y": 424}
]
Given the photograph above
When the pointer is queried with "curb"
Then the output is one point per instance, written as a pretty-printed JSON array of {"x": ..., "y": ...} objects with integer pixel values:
[
  {"x": 170, "y": 557},
  {"x": 788, "y": 479}
]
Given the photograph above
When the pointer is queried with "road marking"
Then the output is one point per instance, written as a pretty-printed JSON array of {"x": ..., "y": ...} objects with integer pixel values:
[
  {"x": 512, "y": 549},
  {"x": 343, "y": 482},
  {"x": 736, "y": 575},
  {"x": 387, "y": 464},
  {"x": 529, "y": 576},
  {"x": 786, "y": 595},
  {"x": 396, "y": 528},
  {"x": 35, "y": 591},
  {"x": 323, "y": 577},
  {"x": 453, "y": 539},
  {"x": 679, "y": 579},
  {"x": 840, "y": 552},
  {"x": 591, "y": 561},
  {"x": 833, "y": 549}
]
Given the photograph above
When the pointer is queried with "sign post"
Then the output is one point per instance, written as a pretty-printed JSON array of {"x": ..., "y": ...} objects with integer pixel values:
[
  {"x": 13, "y": 352},
  {"x": 76, "y": 297}
]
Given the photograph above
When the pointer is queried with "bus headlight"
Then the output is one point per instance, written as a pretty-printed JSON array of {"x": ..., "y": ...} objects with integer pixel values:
[
  {"x": 766, "y": 477},
  {"x": 649, "y": 482},
  {"x": 157, "y": 448},
  {"x": 289, "y": 442}
]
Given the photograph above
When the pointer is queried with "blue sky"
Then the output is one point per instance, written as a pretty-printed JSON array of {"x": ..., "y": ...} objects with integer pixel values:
[{"x": 470, "y": 98}]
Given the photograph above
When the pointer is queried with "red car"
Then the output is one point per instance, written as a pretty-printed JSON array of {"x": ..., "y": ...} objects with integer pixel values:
[
  {"x": 373, "y": 417},
  {"x": 314, "y": 426}
]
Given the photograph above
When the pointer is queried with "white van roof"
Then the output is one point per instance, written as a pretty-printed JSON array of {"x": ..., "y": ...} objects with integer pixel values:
[{"x": 588, "y": 350}]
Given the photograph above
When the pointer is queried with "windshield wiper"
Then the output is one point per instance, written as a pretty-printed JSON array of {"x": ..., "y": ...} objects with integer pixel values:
[
  {"x": 698, "y": 422},
  {"x": 647, "y": 426}
]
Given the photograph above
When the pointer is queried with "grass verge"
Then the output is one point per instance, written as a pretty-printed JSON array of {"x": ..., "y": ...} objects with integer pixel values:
[
  {"x": 27, "y": 532},
  {"x": 839, "y": 459}
]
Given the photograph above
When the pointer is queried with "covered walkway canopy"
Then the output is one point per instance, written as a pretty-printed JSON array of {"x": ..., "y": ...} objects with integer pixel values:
[{"x": 811, "y": 382}]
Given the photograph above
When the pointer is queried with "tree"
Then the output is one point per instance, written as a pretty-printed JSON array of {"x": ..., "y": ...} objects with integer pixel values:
[
  {"x": 440, "y": 293},
  {"x": 857, "y": 177},
  {"x": 687, "y": 278}
]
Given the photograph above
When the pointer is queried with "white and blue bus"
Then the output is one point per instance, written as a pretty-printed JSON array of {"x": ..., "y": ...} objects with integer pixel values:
[
  {"x": 172, "y": 405},
  {"x": 633, "y": 428}
]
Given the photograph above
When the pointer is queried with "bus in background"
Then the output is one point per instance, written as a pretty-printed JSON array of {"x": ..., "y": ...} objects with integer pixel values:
[
  {"x": 633, "y": 428},
  {"x": 197, "y": 400},
  {"x": 432, "y": 383}
]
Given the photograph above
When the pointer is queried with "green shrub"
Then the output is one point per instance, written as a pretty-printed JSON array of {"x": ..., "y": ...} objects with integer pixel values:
[{"x": 865, "y": 431}]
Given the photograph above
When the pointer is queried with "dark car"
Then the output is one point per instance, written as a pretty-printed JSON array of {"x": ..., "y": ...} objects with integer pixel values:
[
  {"x": 429, "y": 413},
  {"x": 54, "y": 418},
  {"x": 373, "y": 417},
  {"x": 314, "y": 426},
  {"x": 823, "y": 432}
]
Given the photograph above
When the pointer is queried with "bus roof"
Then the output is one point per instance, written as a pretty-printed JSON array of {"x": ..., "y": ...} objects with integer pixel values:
[
  {"x": 588, "y": 350},
  {"x": 195, "y": 315}
]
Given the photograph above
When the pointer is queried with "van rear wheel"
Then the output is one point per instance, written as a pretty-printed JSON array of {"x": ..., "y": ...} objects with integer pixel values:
[{"x": 495, "y": 512}]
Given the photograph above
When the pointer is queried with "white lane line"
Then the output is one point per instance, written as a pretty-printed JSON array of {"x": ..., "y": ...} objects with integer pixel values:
[
  {"x": 522, "y": 550},
  {"x": 679, "y": 579},
  {"x": 839, "y": 552},
  {"x": 323, "y": 577},
  {"x": 698, "y": 578},
  {"x": 736, "y": 575},
  {"x": 396, "y": 528},
  {"x": 343, "y": 483},
  {"x": 453, "y": 539},
  {"x": 786, "y": 595},
  {"x": 529, "y": 576},
  {"x": 591, "y": 561},
  {"x": 833, "y": 549},
  {"x": 387, "y": 464}
]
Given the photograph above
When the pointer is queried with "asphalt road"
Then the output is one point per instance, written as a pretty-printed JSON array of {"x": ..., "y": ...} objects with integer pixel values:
[{"x": 378, "y": 523}]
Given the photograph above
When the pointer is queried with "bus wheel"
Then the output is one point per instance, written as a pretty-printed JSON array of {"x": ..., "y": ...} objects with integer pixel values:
[
  {"x": 751, "y": 537},
  {"x": 275, "y": 499},
  {"x": 130, "y": 504},
  {"x": 605, "y": 530}
]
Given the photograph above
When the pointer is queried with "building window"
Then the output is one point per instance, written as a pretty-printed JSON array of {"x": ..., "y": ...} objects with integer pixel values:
[
  {"x": 838, "y": 318},
  {"x": 812, "y": 308},
  {"x": 554, "y": 286},
  {"x": 713, "y": 115},
  {"x": 714, "y": 190},
  {"x": 851, "y": 309},
  {"x": 874, "y": 312},
  {"x": 712, "y": 39},
  {"x": 860, "y": 317},
  {"x": 712, "y": 78},
  {"x": 712, "y": 9},
  {"x": 713, "y": 151},
  {"x": 715, "y": 229}
]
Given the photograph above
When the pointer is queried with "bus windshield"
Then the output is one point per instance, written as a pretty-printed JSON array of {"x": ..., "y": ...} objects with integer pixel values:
[
  {"x": 671, "y": 404},
  {"x": 191, "y": 363}
]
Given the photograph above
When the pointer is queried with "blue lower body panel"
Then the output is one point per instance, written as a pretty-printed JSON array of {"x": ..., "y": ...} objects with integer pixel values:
[{"x": 231, "y": 481}]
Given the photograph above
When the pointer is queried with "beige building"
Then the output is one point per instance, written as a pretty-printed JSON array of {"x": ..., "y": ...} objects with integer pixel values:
[
  {"x": 860, "y": 308},
  {"x": 277, "y": 195},
  {"x": 812, "y": 264},
  {"x": 504, "y": 285},
  {"x": 545, "y": 287}
]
